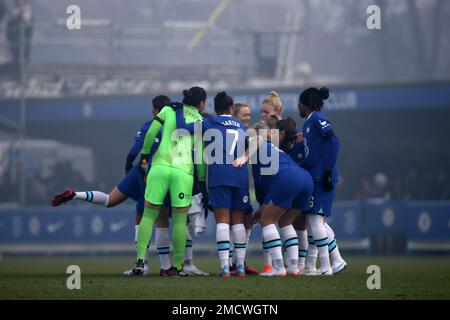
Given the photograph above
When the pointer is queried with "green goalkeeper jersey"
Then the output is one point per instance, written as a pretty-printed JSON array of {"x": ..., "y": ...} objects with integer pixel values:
[{"x": 174, "y": 150}]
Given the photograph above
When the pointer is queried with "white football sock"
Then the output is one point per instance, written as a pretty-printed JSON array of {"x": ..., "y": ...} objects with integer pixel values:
[
  {"x": 302, "y": 247},
  {"x": 248, "y": 233},
  {"x": 162, "y": 242},
  {"x": 317, "y": 224},
  {"x": 231, "y": 254},
  {"x": 272, "y": 244},
  {"x": 285, "y": 254},
  {"x": 96, "y": 197},
  {"x": 267, "y": 258},
  {"x": 333, "y": 249},
  {"x": 136, "y": 228},
  {"x": 239, "y": 242},
  {"x": 290, "y": 245},
  {"x": 189, "y": 252},
  {"x": 223, "y": 243},
  {"x": 311, "y": 258}
]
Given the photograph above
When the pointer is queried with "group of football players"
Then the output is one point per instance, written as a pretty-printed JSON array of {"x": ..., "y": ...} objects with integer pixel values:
[{"x": 192, "y": 162}]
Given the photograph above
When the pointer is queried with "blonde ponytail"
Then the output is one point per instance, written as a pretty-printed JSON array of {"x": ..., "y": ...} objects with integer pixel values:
[{"x": 274, "y": 99}]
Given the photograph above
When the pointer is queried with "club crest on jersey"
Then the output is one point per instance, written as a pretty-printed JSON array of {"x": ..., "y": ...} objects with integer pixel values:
[
  {"x": 181, "y": 195},
  {"x": 245, "y": 199}
]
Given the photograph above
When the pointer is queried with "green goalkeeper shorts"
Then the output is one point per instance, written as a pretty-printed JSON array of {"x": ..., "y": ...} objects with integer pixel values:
[{"x": 162, "y": 179}]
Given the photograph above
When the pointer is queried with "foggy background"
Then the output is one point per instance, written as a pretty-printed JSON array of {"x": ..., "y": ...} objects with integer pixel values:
[{"x": 71, "y": 104}]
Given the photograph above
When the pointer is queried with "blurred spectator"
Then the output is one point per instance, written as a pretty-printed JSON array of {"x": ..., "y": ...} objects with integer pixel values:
[
  {"x": 378, "y": 190},
  {"x": 19, "y": 14},
  {"x": 397, "y": 188},
  {"x": 419, "y": 175},
  {"x": 443, "y": 184}
]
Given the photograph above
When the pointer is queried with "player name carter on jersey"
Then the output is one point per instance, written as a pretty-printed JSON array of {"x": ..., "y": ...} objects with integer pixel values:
[
  {"x": 229, "y": 139},
  {"x": 231, "y": 123}
]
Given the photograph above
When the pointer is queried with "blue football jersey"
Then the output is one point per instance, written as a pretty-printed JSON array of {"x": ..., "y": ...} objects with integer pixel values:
[
  {"x": 297, "y": 152},
  {"x": 273, "y": 155},
  {"x": 316, "y": 155},
  {"x": 139, "y": 142},
  {"x": 224, "y": 138}
]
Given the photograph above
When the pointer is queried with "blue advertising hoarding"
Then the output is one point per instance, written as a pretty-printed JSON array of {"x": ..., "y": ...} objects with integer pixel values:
[
  {"x": 419, "y": 222},
  {"x": 129, "y": 107}
]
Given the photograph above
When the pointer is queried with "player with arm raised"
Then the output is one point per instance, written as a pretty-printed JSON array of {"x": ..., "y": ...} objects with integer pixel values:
[
  {"x": 283, "y": 190},
  {"x": 162, "y": 236},
  {"x": 171, "y": 171},
  {"x": 132, "y": 186}
]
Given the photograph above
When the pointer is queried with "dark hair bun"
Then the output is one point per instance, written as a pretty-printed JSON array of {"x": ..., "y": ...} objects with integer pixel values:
[
  {"x": 324, "y": 93},
  {"x": 221, "y": 95},
  {"x": 187, "y": 93},
  {"x": 194, "y": 96},
  {"x": 222, "y": 102}
]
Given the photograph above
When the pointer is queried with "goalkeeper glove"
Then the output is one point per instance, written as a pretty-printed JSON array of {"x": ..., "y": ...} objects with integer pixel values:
[{"x": 205, "y": 198}]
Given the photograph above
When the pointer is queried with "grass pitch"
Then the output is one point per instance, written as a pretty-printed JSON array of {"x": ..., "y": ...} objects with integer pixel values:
[{"x": 45, "y": 278}]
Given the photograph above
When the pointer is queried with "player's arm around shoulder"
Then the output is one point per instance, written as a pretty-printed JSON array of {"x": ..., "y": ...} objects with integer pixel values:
[
  {"x": 165, "y": 112},
  {"x": 152, "y": 132}
]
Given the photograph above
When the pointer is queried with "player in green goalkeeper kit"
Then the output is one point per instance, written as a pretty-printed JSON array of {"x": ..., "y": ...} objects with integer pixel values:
[{"x": 172, "y": 170}]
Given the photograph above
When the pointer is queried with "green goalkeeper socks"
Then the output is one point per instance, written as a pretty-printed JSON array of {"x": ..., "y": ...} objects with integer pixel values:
[
  {"x": 179, "y": 220},
  {"x": 145, "y": 231}
]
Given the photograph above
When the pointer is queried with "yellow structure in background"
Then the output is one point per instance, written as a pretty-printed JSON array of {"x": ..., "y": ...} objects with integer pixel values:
[{"x": 211, "y": 20}]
